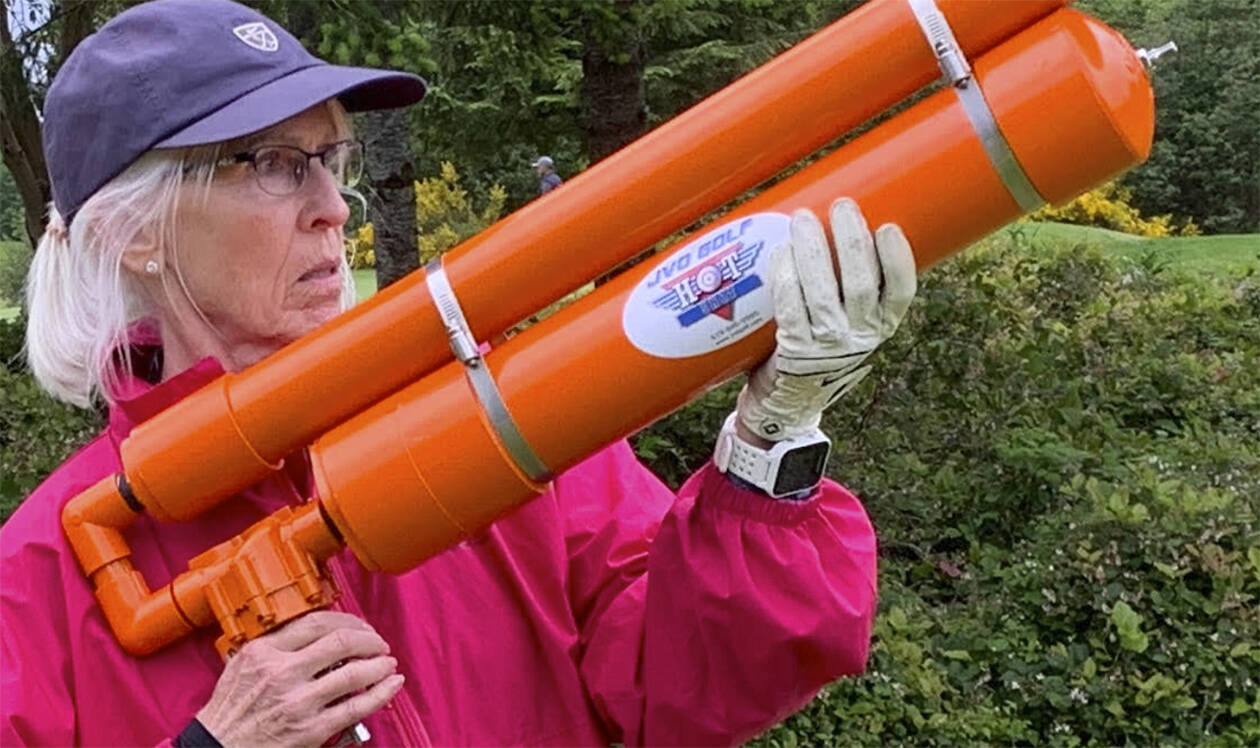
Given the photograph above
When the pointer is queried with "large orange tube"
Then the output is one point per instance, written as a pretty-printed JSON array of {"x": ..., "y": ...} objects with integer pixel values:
[
  {"x": 232, "y": 433},
  {"x": 412, "y": 475}
]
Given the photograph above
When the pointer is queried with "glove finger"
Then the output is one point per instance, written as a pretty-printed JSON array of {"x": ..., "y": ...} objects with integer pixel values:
[
  {"x": 901, "y": 280},
  {"x": 790, "y": 315},
  {"x": 817, "y": 277},
  {"x": 859, "y": 268}
]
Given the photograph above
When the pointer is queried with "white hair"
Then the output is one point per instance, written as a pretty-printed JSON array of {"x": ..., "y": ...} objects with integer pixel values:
[{"x": 81, "y": 305}]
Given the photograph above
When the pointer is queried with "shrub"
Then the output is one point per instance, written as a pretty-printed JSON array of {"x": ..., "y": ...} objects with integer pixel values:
[
  {"x": 361, "y": 248},
  {"x": 1108, "y": 207},
  {"x": 36, "y": 432},
  {"x": 15, "y": 258},
  {"x": 1061, "y": 456},
  {"x": 445, "y": 215}
]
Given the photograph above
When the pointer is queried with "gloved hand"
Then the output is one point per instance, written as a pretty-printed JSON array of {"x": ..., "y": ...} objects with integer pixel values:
[{"x": 824, "y": 337}]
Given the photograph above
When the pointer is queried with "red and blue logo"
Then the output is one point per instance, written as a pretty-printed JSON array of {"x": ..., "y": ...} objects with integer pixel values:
[{"x": 711, "y": 287}]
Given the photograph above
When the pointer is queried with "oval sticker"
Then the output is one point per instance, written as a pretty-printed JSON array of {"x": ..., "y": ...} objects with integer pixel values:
[{"x": 709, "y": 294}]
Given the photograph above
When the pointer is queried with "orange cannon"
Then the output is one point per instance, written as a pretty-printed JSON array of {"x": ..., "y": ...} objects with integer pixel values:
[{"x": 1040, "y": 103}]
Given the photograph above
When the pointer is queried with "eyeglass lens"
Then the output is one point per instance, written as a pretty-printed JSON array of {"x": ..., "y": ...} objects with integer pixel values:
[{"x": 282, "y": 170}]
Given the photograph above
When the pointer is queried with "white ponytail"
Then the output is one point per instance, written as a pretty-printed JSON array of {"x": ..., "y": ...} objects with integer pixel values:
[{"x": 80, "y": 301}]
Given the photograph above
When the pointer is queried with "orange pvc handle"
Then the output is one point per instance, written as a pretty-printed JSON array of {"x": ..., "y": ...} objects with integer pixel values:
[{"x": 267, "y": 575}]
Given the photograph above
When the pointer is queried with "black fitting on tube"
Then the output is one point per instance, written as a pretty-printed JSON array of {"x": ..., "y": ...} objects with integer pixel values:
[{"x": 124, "y": 490}]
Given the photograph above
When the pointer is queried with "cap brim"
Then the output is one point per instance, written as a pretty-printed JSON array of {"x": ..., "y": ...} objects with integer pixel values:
[{"x": 360, "y": 89}]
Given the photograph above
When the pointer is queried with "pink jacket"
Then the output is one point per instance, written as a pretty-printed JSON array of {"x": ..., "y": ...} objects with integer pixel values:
[{"x": 606, "y": 610}]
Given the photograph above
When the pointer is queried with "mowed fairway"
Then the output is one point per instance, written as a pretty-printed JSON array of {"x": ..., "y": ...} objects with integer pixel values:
[{"x": 1210, "y": 255}]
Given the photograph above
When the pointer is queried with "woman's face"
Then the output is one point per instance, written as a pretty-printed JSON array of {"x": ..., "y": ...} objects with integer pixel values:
[{"x": 264, "y": 270}]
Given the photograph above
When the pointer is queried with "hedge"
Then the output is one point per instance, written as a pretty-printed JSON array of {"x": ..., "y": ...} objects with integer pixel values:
[{"x": 1061, "y": 455}]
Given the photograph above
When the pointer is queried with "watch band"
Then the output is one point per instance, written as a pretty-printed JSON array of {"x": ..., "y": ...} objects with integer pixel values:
[
  {"x": 195, "y": 735},
  {"x": 764, "y": 469},
  {"x": 749, "y": 463}
]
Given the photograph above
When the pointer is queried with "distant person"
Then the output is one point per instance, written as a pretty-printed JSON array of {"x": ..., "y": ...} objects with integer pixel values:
[{"x": 548, "y": 179}]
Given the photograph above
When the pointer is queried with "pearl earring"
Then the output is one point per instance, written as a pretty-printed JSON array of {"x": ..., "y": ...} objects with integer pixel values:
[{"x": 151, "y": 267}]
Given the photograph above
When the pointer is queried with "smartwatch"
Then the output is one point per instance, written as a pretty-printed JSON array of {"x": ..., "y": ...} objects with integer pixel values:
[{"x": 788, "y": 467}]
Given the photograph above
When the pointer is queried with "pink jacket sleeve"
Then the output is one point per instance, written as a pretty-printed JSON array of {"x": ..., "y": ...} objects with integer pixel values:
[{"x": 707, "y": 619}]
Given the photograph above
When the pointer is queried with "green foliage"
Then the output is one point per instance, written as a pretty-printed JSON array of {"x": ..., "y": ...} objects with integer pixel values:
[
  {"x": 507, "y": 85},
  {"x": 12, "y": 218},
  {"x": 1061, "y": 454},
  {"x": 505, "y": 90},
  {"x": 695, "y": 47},
  {"x": 15, "y": 259},
  {"x": 36, "y": 432},
  {"x": 445, "y": 216}
]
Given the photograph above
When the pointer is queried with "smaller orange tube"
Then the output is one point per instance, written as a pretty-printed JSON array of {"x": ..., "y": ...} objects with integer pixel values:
[
  {"x": 167, "y": 462},
  {"x": 93, "y": 521},
  {"x": 142, "y": 621}
]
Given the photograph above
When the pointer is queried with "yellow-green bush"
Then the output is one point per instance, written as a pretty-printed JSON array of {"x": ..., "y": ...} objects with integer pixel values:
[
  {"x": 445, "y": 216},
  {"x": 360, "y": 248},
  {"x": 1108, "y": 207}
]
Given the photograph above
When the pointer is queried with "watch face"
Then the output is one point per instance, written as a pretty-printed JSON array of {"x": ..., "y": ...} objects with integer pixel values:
[{"x": 801, "y": 468}]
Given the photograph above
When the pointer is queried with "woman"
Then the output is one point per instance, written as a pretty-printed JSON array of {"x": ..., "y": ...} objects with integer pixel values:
[{"x": 197, "y": 155}]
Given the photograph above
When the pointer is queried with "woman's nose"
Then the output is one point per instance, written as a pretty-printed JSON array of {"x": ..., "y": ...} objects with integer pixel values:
[{"x": 325, "y": 207}]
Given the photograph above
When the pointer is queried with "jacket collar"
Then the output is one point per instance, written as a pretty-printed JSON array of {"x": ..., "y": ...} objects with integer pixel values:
[{"x": 141, "y": 396}]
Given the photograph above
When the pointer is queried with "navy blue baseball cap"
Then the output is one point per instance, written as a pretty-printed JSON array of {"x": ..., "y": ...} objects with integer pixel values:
[{"x": 176, "y": 73}]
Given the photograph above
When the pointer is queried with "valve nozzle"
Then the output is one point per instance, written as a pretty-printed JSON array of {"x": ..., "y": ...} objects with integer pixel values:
[{"x": 1149, "y": 56}]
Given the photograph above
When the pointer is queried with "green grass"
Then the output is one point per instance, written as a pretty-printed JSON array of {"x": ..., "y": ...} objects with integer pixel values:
[
  {"x": 364, "y": 282},
  {"x": 1222, "y": 254}
]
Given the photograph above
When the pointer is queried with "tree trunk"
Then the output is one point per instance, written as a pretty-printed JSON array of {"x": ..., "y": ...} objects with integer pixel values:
[
  {"x": 392, "y": 196},
  {"x": 612, "y": 83},
  {"x": 20, "y": 134},
  {"x": 20, "y": 131}
]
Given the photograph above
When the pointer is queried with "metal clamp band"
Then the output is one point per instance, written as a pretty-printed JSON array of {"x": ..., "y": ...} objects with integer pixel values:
[
  {"x": 464, "y": 346},
  {"x": 940, "y": 37},
  {"x": 956, "y": 71}
]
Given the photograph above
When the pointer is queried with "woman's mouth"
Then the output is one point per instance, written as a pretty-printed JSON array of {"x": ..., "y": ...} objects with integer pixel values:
[{"x": 321, "y": 272}]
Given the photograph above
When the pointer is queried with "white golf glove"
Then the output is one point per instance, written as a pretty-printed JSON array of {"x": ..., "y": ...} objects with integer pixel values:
[{"x": 824, "y": 337}]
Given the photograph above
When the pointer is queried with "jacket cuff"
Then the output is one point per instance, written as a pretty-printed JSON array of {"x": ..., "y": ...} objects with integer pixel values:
[
  {"x": 195, "y": 735},
  {"x": 717, "y": 491}
]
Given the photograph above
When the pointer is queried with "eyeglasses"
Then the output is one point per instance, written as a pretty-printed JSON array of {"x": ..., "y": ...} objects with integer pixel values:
[{"x": 282, "y": 169}]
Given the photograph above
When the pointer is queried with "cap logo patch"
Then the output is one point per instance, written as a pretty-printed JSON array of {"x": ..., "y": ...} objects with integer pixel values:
[{"x": 258, "y": 36}]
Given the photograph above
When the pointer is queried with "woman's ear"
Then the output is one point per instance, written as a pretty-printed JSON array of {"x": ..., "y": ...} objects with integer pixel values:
[{"x": 144, "y": 257}]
